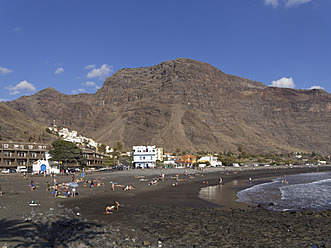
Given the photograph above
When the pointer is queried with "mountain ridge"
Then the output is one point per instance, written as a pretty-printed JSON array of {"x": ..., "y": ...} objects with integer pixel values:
[{"x": 190, "y": 105}]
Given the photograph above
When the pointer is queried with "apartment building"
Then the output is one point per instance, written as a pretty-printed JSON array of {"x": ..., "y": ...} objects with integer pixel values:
[
  {"x": 93, "y": 158},
  {"x": 144, "y": 156},
  {"x": 13, "y": 154}
]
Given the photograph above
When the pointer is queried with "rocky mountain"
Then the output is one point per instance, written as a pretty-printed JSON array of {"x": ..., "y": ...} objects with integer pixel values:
[
  {"x": 16, "y": 126},
  {"x": 192, "y": 106}
]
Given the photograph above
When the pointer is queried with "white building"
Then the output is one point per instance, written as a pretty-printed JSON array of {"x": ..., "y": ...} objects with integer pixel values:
[
  {"x": 212, "y": 160},
  {"x": 44, "y": 166},
  {"x": 159, "y": 154},
  {"x": 144, "y": 157}
]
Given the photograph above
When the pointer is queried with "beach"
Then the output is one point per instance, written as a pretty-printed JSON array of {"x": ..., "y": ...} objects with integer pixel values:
[{"x": 159, "y": 215}]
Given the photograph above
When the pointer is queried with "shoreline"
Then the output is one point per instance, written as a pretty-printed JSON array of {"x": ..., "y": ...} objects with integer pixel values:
[{"x": 160, "y": 215}]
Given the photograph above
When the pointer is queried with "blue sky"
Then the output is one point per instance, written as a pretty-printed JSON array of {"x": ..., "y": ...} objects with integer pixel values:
[{"x": 73, "y": 45}]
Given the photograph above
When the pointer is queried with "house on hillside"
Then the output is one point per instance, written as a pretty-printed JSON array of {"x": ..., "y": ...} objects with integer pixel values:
[{"x": 144, "y": 157}]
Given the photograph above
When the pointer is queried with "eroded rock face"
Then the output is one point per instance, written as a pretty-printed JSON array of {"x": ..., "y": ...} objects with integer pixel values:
[{"x": 190, "y": 105}]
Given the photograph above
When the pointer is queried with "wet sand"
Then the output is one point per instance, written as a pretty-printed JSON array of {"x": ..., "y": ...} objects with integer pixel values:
[{"x": 155, "y": 216}]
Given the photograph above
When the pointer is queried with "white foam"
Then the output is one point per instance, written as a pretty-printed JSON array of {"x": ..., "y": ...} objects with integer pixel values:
[{"x": 311, "y": 191}]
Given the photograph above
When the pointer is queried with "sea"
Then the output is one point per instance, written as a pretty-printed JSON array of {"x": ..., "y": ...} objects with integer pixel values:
[{"x": 310, "y": 191}]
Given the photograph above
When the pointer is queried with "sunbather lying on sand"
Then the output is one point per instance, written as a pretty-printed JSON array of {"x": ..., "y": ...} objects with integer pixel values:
[
  {"x": 111, "y": 209},
  {"x": 128, "y": 187}
]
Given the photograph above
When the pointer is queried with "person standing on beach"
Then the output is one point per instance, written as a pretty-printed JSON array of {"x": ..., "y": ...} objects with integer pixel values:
[
  {"x": 48, "y": 186},
  {"x": 56, "y": 189},
  {"x": 220, "y": 181},
  {"x": 24, "y": 175}
]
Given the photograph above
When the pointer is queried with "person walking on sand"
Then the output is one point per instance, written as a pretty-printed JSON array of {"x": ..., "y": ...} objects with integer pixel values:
[
  {"x": 24, "y": 175},
  {"x": 220, "y": 181},
  {"x": 250, "y": 180}
]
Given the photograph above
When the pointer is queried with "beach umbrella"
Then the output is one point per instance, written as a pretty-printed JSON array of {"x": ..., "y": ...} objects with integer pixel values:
[{"x": 74, "y": 185}]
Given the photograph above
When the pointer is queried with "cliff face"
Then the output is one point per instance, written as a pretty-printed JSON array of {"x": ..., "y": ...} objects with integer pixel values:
[{"x": 190, "y": 105}]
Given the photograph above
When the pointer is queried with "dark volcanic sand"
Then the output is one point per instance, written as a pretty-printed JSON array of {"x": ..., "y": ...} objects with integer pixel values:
[{"x": 165, "y": 216}]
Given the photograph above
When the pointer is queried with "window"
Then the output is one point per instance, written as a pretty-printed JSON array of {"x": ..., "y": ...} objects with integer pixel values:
[
  {"x": 21, "y": 146},
  {"x": 7, "y": 154},
  {"x": 16, "y": 146},
  {"x": 21, "y": 154},
  {"x": 33, "y": 154},
  {"x": 21, "y": 162},
  {"x": 5, "y": 145},
  {"x": 7, "y": 162},
  {"x": 30, "y": 146},
  {"x": 44, "y": 147},
  {"x": 40, "y": 147}
]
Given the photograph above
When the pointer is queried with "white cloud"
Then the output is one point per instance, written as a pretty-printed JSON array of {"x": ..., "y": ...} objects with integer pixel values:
[
  {"x": 78, "y": 91},
  {"x": 295, "y": 3},
  {"x": 287, "y": 3},
  {"x": 283, "y": 83},
  {"x": 4, "y": 70},
  {"x": 59, "y": 70},
  {"x": 3, "y": 100},
  {"x": 101, "y": 72},
  {"x": 21, "y": 88},
  {"x": 89, "y": 67},
  {"x": 316, "y": 87},
  {"x": 89, "y": 83},
  {"x": 273, "y": 3}
]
